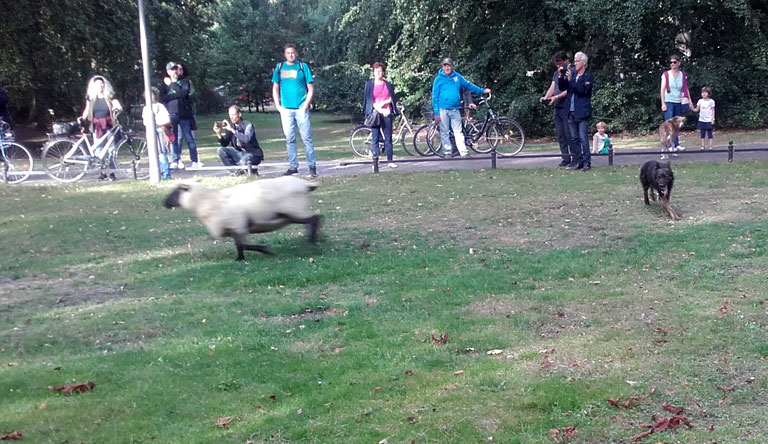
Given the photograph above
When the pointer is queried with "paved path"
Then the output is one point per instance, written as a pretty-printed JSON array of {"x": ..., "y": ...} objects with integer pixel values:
[{"x": 477, "y": 162}]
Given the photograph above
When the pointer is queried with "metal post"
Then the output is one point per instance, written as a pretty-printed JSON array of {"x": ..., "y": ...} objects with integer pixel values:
[
  {"x": 730, "y": 151},
  {"x": 493, "y": 158},
  {"x": 375, "y": 164},
  {"x": 610, "y": 154},
  {"x": 151, "y": 133}
]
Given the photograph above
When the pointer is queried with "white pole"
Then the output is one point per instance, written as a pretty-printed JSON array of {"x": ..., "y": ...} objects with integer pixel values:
[{"x": 154, "y": 170}]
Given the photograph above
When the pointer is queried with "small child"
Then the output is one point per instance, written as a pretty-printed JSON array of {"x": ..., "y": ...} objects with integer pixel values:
[
  {"x": 706, "y": 109},
  {"x": 600, "y": 141}
]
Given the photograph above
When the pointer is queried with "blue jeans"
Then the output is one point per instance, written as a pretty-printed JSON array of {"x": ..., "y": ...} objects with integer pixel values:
[
  {"x": 186, "y": 132},
  {"x": 451, "y": 119},
  {"x": 673, "y": 110},
  {"x": 292, "y": 119},
  {"x": 580, "y": 152},
  {"x": 162, "y": 157},
  {"x": 230, "y": 156},
  {"x": 386, "y": 128},
  {"x": 563, "y": 133}
]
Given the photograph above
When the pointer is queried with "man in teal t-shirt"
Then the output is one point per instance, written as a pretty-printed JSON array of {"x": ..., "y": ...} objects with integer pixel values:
[{"x": 292, "y": 91}]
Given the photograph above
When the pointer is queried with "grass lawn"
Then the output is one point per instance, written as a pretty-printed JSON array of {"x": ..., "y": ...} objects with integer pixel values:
[{"x": 444, "y": 307}]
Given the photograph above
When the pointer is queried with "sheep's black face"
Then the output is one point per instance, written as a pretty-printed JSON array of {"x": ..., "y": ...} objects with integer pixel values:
[{"x": 172, "y": 201}]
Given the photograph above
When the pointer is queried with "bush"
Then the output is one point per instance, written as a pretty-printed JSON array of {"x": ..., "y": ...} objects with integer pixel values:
[{"x": 339, "y": 87}]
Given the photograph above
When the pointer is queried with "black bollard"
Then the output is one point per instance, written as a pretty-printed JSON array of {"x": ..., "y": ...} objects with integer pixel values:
[
  {"x": 610, "y": 154},
  {"x": 375, "y": 164},
  {"x": 730, "y": 151},
  {"x": 493, "y": 158}
]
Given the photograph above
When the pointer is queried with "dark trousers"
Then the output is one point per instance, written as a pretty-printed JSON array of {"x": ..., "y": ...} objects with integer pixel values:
[
  {"x": 563, "y": 132},
  {"x": 386, "y": 129},
  {"x": 580, "y": 152}
]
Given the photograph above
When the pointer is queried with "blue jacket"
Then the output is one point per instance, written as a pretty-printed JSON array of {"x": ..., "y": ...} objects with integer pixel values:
[
  {"x": 580, "y": 91},
  {"x": 446, "y": 90},
  {"x": 368, "y": 98}
]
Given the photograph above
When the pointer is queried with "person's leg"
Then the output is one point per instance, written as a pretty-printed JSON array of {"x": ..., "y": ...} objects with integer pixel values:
[
  {"x": 677, "y": 110},
  {"x": 458, "y": 133},
  {"x": 445, "y": 135},
  {"x": 227, "y": 155},
  {"x": 386, "y": 128},
  {"x": 709, "y": 134},
  {"x": 162, "y": 157},
  {"x": 563, "y": 135},
  {"x": 175, "y": 145},
  {"x": 186, "y": 129},
  {"x": 586, "y": 153},
  {"x": 573, "y": 129},
  {"x": 703, "y": 133},
  {"x": 288, "y": 120},
  {"x": 302, "y": 120},
  {"x": 375, "y": 142}
]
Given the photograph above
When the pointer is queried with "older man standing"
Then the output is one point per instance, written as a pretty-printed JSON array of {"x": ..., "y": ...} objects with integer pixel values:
[
  {"x": 292, "y": 91},
  {"x": 446, "y": 101},
  {"x": 579, "y": 86}
]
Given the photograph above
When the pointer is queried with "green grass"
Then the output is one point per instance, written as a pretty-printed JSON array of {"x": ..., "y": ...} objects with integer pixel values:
[{"x": 569, "y": 275}]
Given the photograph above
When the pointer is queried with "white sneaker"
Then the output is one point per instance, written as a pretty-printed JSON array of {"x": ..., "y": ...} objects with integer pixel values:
[
  {"x": 174, "y": 165},
  {"x": 392, "y": 165},
  {"x": 664, "y": 157},
  {"x": 196, "y": 165},
  {"x": 672, "y": 149},
  {"x": 180, "y": 165},
  {"x": 679, "y": 148}
]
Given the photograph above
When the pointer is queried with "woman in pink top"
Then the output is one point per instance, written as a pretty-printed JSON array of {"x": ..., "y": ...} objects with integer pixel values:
[{"x": 380, "y": 96}]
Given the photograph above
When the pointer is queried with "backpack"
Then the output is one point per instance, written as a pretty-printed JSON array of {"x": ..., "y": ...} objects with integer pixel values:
[{"x": 279, "y": 67}]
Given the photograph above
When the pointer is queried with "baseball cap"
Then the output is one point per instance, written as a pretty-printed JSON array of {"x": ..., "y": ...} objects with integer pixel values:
[
  {"x": 170, "y": 65},
  {"x": 447, "y": 61}
]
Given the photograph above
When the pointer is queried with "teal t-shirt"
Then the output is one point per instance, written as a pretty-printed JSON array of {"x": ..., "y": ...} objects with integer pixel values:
[{"x": 293, "y": 80}]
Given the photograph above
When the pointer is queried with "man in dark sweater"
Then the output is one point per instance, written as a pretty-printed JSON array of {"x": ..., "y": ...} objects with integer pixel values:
[
  {"x": 241, "y": 135},
  {"x": 174, "y": 94}
]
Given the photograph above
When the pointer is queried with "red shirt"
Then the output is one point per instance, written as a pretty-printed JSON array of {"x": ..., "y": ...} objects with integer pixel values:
[{"x": 380, "y": 94}]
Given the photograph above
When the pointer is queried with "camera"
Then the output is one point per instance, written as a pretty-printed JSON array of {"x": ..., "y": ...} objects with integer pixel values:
[
  {"x": 563, "y": 70},
  {"x": 545, "y": 101},
  {"x": 222, "y": 124}
]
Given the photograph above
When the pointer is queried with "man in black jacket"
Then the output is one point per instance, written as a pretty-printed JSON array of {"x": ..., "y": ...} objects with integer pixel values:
[
  {"x": 242, "y": 136},
  {"x": 174, "y": 94}
]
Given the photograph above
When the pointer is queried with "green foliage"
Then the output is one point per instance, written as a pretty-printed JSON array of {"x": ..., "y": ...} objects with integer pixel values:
[{"x": 339, "y": 87}]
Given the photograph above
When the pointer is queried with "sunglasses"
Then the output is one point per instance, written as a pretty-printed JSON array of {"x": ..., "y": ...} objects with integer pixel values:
[{"x": 674, "y": 61}]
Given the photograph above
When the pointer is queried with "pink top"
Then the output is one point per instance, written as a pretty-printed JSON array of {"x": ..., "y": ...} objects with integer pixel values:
[{"x": 381, "y": 93}]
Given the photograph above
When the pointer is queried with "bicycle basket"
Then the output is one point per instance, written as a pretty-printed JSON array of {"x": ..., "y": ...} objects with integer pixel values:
[
  {"x": 65, "y": 128},
  {"x": 427, "y": 112}
]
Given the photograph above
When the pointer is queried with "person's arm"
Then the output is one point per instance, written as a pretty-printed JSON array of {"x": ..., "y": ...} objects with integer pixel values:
[
  {"x": 276, "y": 96},
  {"x": 549, "y": 94},
  {"x": 87, "y": 110},
  {"x": 436, "y": 98},
  {"x": 695, "y": 108},
  {"x": 310, "y": 94},
  {"x": 713, "y": 114},
  {"x": 245, "y": 136},
  {"x": 466, "y": 84},
  {"x": 595, "y": 143},
  {"x": 663, "y": 93}
]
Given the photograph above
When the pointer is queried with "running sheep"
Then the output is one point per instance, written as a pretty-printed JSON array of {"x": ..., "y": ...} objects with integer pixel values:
[{"x": 255, "y": 207}]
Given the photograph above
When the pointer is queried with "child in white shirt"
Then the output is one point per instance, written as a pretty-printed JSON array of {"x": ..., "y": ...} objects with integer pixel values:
[
  {"x": 600, "y": 141},
  {"x": 706, "y": 109}
]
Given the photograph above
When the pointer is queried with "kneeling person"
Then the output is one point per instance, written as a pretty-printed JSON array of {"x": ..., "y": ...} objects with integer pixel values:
[{"x": 240, "y": 134}]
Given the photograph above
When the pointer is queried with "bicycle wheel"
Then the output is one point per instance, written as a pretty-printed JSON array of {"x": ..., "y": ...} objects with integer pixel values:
[
  {"x": 63, "y": 163},
  {"x": 433, "y": 140},
  {"x": 506, "y": 136},
  {"x": 474, "y": 134},
  {"x": 406, "y": 135},
  {"x": 128, "y": 152},
  {"x": 16, "y": 163},
  {"x": 360, "y": 141},
  {"x": 420, "y": 144}
]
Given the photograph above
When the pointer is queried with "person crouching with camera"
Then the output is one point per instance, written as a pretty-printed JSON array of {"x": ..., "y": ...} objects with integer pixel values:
[{"x": 238, "y": 142}]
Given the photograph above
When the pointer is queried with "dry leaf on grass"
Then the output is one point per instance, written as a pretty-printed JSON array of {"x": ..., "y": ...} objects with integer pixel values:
[
  {"x": 441, "y": 340},
  {"x": 74, "y": 388},
  {"x": 664, "y": 424},
  {"x": 629, "y": 402},
  {"x": 672, "y": 409},
  {"x": 13, "y": 436},
  {"x": 561, "y": 434},
  {"x": 225, "y": 421}
]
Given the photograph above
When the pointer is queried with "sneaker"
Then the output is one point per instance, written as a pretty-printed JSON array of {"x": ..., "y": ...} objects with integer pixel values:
[
  {"x": 447, "y": 155},
  {"x": 392, "y": 165},
  {"x": 672, "y": 149},
  {"x": 196, "y": 165},
  {"x": 586, "y": 167},
  {"x": 103, "y": 176},
  {"x": 112, "y": 177},
  {"x": 174, "y": 165},
  {"x": 313, "y": 171},
  {"x": 465, "y": 155},
  {"x": 679, "y": 148},
  {"x": 577, "y": 166},
  {"x": 180, "y": 165},
  {"x": 664, "y": 157},
  {"x": 291, "y": 171},
  {"x": 564, "y": 163}
]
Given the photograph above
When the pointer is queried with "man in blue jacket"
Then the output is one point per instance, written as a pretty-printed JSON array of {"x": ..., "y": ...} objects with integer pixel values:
[
  {"x": 446, "y": 101},
  {"x": 579, "y": 102}
]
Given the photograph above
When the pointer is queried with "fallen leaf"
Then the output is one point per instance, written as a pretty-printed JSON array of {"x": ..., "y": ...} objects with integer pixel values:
[
  {"x": 629, "y": 402},
  {"x": 661, "y": 330},
  {"x": 729, "y": 388},
  {"x": 377, "y": 389},
  {"x": 441, "y": 340},
  {"x": 494, "y": 352},
  {"x": 74, "y": 388},
  {"x": 383, "y": 441},
  {"x": 225, "y": 421},
  {"x": 13, "y": 436},
  {"x": 670, "y": 408},
  {"x": 409, "y": 373},
  {"x": 458, "y": 372},
  {"x": 632, "y": 383},
  {"x": 546, "y": 363},
  {"x": 43, "y": 406},
  {"x": 411, "y": 420}
]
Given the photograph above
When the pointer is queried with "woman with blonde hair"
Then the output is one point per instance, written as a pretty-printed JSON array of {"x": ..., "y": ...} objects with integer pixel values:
[{"x": 101, "y": 107}]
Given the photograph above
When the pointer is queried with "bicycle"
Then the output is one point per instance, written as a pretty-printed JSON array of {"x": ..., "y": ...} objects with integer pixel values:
[
  {"x": 360, "y": 138},
  {"x": 67, "y": 156},
  {"x": 501, "y": 133},
  {"x": 15, "y": 160}
]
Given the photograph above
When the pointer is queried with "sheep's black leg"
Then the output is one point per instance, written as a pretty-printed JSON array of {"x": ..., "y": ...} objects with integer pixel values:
[
  {"x": 241, "y": 247},
  {"x": 314, "y": 223}
]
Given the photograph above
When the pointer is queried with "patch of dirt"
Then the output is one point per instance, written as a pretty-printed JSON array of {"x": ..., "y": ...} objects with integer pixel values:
[
  {"x": 306, "y": 315},
  {"x": 50, "y": 292}
]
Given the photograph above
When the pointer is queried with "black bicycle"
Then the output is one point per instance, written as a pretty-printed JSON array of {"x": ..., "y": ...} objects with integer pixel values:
[{"x": 501, "y": 133}]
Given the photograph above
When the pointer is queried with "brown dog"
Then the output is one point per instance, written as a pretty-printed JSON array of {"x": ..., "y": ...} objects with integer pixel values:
[
  {"x": 658, "y": 176},
  {"x": 668, "y": 132}
]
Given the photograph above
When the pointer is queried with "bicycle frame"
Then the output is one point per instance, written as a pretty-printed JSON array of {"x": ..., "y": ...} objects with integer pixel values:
[{"x": 99, "y": 149}]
